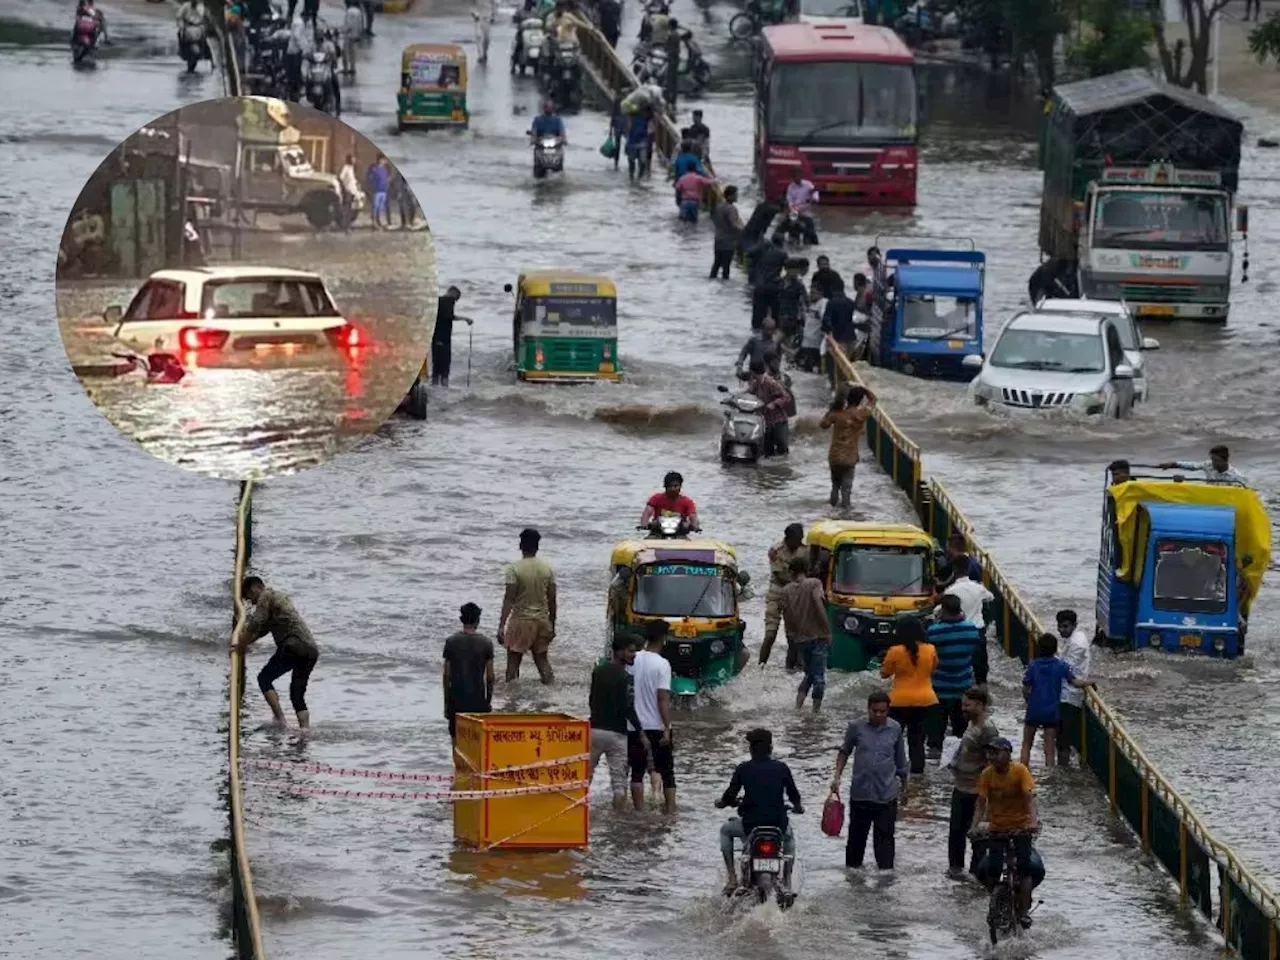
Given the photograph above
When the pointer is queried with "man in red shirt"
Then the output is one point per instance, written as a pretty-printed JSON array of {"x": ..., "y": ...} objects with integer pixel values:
[{"x": 671, "y": 502}]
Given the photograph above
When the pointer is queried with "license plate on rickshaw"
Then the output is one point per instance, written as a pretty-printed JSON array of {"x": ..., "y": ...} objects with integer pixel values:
[
  {"x": 1157, "y": 310},
  {"x": 760, "y": 865},
  {"x": 1190, "y": 640}
]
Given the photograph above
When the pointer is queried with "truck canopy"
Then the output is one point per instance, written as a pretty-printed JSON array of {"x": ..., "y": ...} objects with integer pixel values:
[{"x": 1130, "y": 118}]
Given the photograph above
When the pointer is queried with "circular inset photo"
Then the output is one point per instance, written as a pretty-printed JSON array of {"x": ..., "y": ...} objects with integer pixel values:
[{"x": 247, "y": 287}]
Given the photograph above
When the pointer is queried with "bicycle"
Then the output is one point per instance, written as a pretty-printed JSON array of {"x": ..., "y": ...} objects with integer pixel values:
[{"x": 1003, "y": 921}]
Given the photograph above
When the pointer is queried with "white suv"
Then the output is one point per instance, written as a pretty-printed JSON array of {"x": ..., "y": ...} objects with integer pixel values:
[
  {"x": 1131, "y": 337},
  {"x": 1057, "y": 361},
  {"x": 206, "y": 312}
]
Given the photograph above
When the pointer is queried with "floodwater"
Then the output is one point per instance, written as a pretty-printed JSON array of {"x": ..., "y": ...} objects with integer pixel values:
[
  {"x": 265, "y": 412},
  {"x": 379, "y": 549}
]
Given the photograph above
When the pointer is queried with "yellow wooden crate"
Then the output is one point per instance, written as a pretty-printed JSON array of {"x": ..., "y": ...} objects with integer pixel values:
[{"x": 489, "y": 742}]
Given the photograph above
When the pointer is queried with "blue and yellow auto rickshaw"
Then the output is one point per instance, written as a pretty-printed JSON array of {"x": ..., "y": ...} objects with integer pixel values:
[
  {"x": 1180, "y": 565},
  {"x": 929, "y": 322}
]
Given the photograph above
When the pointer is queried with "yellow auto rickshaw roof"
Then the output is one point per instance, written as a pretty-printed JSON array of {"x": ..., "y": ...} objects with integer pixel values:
[
  {"x": 831, "y": 533},
  {"x": 1253, "y": 526},
  {"x": 453, "y": 50},
  {"x": 537, "y": 283},
  {"x": 634, "y": 552}
]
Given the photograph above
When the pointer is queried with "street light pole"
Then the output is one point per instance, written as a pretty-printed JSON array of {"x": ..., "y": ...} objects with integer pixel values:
[{"x": 1217, "y": 47}]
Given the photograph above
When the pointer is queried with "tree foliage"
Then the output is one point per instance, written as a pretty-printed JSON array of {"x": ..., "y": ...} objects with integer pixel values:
[
  {"x": 1117, "y": 40},
  {"x": 1186, "y": 63},
  {"x": 1264, "y": 39},
  {"x": 1015, "y": 29}
]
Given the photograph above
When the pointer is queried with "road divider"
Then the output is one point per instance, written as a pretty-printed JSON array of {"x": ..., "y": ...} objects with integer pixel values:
[{"x": 1210, "y": 874}]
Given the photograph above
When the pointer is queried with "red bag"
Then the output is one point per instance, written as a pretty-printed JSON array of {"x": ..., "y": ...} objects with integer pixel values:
[{"x": 833, "y": 816}]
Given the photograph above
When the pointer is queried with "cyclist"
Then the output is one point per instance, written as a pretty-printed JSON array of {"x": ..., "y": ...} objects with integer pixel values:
[
  {"x": 671, "y": 502},
  {"x": 1007, "y": 801}
]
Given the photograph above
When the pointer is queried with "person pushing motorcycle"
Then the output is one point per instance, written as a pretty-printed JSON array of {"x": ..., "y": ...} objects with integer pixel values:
[{"x": 766, "y": 785}]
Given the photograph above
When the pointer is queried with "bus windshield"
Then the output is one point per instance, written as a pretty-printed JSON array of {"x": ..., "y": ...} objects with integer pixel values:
[
  {"x": 881, "y": 571},
  {"x": 684, "y": 590},
  {"x": 1190, "y": 576},
  {"x": 842, "y": 102},
  {"x": 1161, "y": 220}
]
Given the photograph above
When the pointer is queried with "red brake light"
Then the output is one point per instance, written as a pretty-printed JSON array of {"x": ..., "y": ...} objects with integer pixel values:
[
  {"x": 196, "y": 338},
  {"x": 766, "y": 848},
  {"x": 346, "y": 335}
]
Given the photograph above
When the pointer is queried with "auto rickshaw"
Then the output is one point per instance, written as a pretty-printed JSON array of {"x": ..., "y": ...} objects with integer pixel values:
[
  {"x": 565, "y": 327},
  {"x": 1180, "y": 565},
  {"x": 433, "y": 87},
  {"x": 873, "y": 573},
  {"x": 696, "y": 587}
]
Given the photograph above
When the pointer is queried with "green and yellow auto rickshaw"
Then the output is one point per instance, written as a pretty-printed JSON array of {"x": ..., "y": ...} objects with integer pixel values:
[
  {"x": 694, "y": 586},
  {"x": 565, "y": 327},
  {"x": 433, "y": 87}
]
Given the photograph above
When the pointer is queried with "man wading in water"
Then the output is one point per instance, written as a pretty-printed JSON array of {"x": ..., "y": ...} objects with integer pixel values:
[
  {"x": 528, "y": 621},
  {"x": 296, "y": 650},
  {"x": 468, "y": 670}
]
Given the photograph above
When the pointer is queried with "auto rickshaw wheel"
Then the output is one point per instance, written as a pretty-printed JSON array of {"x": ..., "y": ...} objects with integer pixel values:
[{"x": 416, "y": 402}]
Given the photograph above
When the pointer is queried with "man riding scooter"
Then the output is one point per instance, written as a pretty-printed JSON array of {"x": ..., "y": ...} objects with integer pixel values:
[
  {"x": 801, "y": 195},
  {"x": 86, "y": 8},
  {"x": 766, "y": 785}
]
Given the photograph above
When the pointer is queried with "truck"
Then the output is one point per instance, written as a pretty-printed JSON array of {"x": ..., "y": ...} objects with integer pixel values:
[{"x": 1140, "y": 180}]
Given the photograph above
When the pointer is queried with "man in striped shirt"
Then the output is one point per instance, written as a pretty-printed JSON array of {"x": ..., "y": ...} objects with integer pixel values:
[{"x": 956, "y": 640}]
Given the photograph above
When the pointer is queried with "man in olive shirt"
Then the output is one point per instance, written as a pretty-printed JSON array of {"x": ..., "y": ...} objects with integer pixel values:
[
  {"x": 780, "y": 557},
  {"x": 296, "y": 650},
  {"x": 804, "y": 612},
  {"x": 468, "y": 670},
  {"x": 966, "y": 767},
  {"x": 528, "y": 621},
  {"x": 612, "y": 704}
]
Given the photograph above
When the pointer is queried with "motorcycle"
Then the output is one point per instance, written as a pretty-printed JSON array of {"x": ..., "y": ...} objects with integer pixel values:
[
  {"x": 762, "y": 866},
  {"x": 548, "y": 156},
  {"x": 793, "y": 228},
  {"x": 742, "y": 431},
  {"x": 193, "y": 45},
  {"x": 667, "y": 528},
  {"x": 696, "y": 66},
  {"x": 527, "y": 50},
  {"x": 318, "y": 78},
  {"x": 84, "y": 40},
  {"x": 564, "y": 80}
]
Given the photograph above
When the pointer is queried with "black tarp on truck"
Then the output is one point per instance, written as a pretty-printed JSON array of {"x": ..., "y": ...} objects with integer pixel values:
[{"x": 1125, "y": 119}]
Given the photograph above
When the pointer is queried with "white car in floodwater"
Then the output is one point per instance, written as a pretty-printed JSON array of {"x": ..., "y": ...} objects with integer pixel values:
[
  {"x": 831, "y": 11},
  {"x": 1057, "y": 361},
  {"x": 1131, "y": 337},
  {"x": 205, "y": 312}
]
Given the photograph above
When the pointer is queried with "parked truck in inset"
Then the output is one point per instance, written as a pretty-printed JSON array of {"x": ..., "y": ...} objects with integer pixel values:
[{"x": 1138, "y": 205}]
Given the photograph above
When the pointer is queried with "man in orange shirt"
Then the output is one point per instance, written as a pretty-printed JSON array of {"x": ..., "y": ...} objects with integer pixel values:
[{"x": 1007, "y": 800}]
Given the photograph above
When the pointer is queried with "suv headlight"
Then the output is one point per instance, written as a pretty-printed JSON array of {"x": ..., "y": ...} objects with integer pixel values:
[{"x": 1092, "y": 402}]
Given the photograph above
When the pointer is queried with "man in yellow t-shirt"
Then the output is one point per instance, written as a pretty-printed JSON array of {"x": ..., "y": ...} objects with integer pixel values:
[
  {"x": 1007, "y": 801},
  {"x": 528, "y": 620}
]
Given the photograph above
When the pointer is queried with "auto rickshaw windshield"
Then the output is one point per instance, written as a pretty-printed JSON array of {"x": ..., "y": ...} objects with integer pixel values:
[
  {"x": 577, "y": 311},
  {"x": 867, "y": 570},
  {"x": 684, "y": 590}
]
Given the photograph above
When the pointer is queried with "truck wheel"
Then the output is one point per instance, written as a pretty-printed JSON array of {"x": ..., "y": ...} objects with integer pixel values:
[{"x": 321, "y": 209}]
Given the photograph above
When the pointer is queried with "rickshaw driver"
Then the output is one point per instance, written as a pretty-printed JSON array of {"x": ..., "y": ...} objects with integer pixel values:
[{"x": 671, "y": 502}]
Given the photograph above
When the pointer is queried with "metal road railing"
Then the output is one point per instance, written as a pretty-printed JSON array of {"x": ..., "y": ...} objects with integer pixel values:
[
  {"x": 1244, "y": 909},
  {"x": 246, "y": 923}
]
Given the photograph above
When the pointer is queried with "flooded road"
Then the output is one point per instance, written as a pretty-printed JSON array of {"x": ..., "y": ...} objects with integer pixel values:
[{"x": 380, "y": 547}]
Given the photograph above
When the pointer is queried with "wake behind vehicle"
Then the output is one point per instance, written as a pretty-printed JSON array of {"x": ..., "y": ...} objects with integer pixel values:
[
  {"x": 210, "y": 316},
  {"x": 565, "y": 327},
  {"x": 1140, "y": 180},
  {"x": 742, "y": 430},
  {"x": 1057, "y": 361},
  {"x": 929, "y": 323},
  {"x": 860, "y": 148},
  {"x": 1180, "y": 564},
  {"x": 873, "y": 573},
  {"x": 433, "y": 87},
  {"x": 693, "y": 585},
  {"x": 1131, "y": 338}
]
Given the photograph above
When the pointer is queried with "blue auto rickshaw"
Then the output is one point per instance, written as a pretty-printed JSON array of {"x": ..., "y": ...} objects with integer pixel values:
[
  {"x": 1180, "y": 564},
  {"x": 928, "y": 322}
]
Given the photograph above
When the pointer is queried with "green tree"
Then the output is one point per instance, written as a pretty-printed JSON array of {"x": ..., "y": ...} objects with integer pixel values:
[
  {"x": 1017, "y": 29},
  {"x": 1191, "y": 70},
  {"x": 1264, "y": 39},
  {"x": 1117, "y": 39}
]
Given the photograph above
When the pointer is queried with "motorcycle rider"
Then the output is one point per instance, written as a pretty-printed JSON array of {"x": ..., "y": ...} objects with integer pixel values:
[
  {"x": 548, "y": 124},
  {"x": 192, "y": 13},
  {"x": 87, "y": 8},
  {"x": 671, "y": 503},
  {"x": 766, "y": 785},
  {"x": 801, "y": 195},
  {"x": 1007, "y": 801}
]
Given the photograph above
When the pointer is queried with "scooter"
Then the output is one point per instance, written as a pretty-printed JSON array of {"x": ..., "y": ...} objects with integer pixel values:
[
  {"x": 85, "y": 39},
  {"x": 193, "y": 45},
  {"x": 742, "y": 431},
  {"x": 548, "y": 156},
  {"x": 667, "y": 528},
  {"x": 319, "y": 81},
  {"x": 793, "y": 228}
]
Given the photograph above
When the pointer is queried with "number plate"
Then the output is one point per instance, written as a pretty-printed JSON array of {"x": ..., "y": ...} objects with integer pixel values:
[
  {"x": 1190, "y": 640},
  {"x": 740, "y": 450},
  {"x": 766, "y": 866},
  {"x": 955, "y": 344},
  {"x": 841, "y": 188},
  {"x": 1153, "y": 310}
]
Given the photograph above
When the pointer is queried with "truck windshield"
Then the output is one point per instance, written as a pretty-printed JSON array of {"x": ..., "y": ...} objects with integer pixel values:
[
  {"x": 842, "y": 102},
  {"x": 1044, "y": 350},
  {"x": 881, "y": 571},
  {"x": 1190, "y": 576},
  {"x": 683, "y": 590},
  {"x": 579, "y": 311},
  {"x": 942, "y": 317},
  {"x": 1160, "y": 220}
]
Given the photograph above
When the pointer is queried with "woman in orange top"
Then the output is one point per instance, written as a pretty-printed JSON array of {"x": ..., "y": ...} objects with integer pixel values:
[{"x": 911, "y": 662}]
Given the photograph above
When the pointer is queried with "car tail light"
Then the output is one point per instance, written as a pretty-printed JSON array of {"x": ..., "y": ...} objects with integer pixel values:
[
  {"x": 198, "y": 338},
  {"x": 767, "y": 848},
  {"x": 347, "y": 335}
]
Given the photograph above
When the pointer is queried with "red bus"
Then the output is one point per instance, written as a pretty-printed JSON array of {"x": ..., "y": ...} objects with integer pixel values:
[{"x": 839, "y": 102}]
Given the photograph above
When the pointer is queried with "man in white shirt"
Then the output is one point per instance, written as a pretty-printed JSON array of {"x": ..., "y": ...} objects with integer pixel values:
[
  {"x": 1077, "y": 651},
  {"x": 971, "y": 593},
  {"x": 1217, "y": 469},
  {"x": 651, "y": 674}
]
